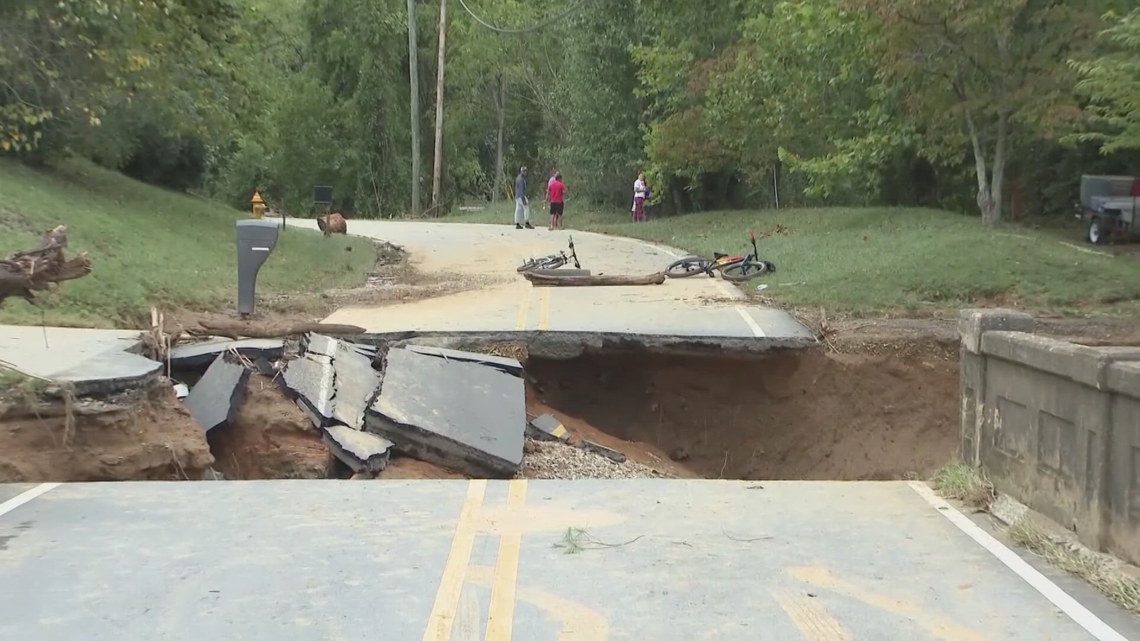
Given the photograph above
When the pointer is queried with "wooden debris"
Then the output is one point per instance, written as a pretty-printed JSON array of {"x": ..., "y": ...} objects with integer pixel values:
[
  {"x": 599, "y": 280},
  {"x": 39, "y": 269},
  {"x": 238, "y": 329},
  {"x": 332, "y": 223}
]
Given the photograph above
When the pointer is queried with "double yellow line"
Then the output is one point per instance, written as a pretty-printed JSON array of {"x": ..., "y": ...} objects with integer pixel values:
[
  {"x": 543, "y": 309},
  {"x": 500, "y": 619}
]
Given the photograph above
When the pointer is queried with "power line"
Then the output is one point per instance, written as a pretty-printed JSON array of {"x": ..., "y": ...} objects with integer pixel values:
[{"x": 544, "y": 23}]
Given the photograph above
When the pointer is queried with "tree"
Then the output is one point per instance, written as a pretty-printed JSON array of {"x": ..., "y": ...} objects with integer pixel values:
[
  {"x": 975, "y": 70},
  {"x": 1111, "y": 82}
]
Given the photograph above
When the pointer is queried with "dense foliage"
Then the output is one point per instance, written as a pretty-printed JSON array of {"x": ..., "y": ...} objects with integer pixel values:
[{"x": 987, "y": 106}]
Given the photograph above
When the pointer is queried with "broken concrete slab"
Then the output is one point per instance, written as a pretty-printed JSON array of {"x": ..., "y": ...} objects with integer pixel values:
[
  {"x": 332, "y": 381},
  {"x": 203, "y": 353},
  {"x": 547, "y": 428},
  {"x": 453, "y": 412},
  {"x": 360, "y": 451},
  {"x": 508, "y": 365},
  {"x": 355, "y": 383},
  {"x": 94, "y": 362},
  {"x": 309, "y": 378},
  {"x": 598, "y": 448},
  {"x": 218, "y": 395}
]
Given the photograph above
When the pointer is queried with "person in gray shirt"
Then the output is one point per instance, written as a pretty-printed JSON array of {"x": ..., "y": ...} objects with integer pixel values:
[{"x": 522, "y": 203}]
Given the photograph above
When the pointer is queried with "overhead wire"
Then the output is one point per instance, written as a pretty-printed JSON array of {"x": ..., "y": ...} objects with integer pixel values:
[{"x": 535, "y": 27}]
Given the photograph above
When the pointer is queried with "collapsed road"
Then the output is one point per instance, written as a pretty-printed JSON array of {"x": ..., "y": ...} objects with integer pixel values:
[{"x": 540, "y": 392}]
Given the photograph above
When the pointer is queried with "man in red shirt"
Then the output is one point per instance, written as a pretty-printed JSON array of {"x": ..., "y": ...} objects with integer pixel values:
[{"x": 557, "y": 192}]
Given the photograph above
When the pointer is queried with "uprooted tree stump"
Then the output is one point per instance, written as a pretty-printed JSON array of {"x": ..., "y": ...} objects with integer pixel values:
[
  {"x": 26, "y": 272},
  {"x": 333, "y": 223}
]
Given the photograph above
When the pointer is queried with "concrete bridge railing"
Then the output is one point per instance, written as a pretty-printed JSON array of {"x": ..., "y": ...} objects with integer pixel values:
[{"x": 1055, "y": 425}]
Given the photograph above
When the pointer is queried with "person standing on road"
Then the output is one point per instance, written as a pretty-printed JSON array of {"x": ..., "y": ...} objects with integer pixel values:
[
  {"x": 640, "y": 189},
  {"x": 522, "y": 203},
  {"x": 557, "y": 192}
]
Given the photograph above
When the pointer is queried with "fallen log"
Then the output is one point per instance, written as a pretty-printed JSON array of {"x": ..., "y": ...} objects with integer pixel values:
[
  {"x": 599, "y": 280},
  {"x": 23, "y": 273},
  {"x": 237, "y": 329}
]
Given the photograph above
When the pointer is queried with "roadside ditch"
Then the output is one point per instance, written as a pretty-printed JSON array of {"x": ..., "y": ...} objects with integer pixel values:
[{"x": 864, "y": 413}]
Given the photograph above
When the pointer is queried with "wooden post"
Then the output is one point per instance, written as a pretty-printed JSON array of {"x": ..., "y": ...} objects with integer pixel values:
[
  {"x": 414, "y": 88},
  {"x": 437, "y": 169}
]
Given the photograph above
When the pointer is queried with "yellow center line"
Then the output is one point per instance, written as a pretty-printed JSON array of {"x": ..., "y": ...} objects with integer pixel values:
[
  {"x": 500, "y": 620},
  {"x": 451, "y": 583},
  {"x": 811, "y": 617},
  {"x": 524, "y": 310},
  {"x": 544, "y": 309}
]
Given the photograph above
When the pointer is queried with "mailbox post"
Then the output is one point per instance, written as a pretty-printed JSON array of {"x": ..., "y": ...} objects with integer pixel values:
[{"x": 256, "y": 239}]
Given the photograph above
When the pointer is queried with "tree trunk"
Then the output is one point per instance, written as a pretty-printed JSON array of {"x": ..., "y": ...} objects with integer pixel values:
[
  {"x": 501, "y": 113},
  {"x": 990, "y": 183},
  {"x": 437, "y": 168}
]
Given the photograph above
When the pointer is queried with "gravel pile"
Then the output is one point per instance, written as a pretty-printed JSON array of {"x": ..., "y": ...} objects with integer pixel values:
[{"x": 560, "y": 461}]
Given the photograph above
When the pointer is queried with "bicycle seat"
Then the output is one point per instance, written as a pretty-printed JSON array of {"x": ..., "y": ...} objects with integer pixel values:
[{"x": 717, "y": 255}]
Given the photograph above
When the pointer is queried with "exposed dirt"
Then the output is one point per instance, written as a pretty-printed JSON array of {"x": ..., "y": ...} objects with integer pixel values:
[
  {"x": 271, "y": 438},
  {"x": 791, "y": 415},
  {"x": 405, "y": 468},
  {"x": 147, "y": 438}
]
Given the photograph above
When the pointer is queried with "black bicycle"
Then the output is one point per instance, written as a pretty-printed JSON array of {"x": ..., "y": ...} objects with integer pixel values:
[
  {"x": 553, "y": 261},
  {"x": 735, "y": 268}
]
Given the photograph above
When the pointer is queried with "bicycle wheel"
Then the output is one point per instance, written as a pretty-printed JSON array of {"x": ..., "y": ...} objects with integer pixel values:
[
  {"x": 746, "y": 270},
  {"x": 528, "y": 265},
  {"x": 688, "y": 266}
]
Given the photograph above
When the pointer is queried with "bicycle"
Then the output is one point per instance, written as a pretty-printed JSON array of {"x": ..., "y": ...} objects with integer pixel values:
[
  {"x": 552, "y": 261},
  {"x": 733, "y": 268}
]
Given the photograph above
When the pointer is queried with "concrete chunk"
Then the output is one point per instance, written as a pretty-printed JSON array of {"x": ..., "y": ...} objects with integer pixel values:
[
  {"x": 456, "y": 413},
  {"x": 508, "y": 365},
  {"x": 204, "y": 352},
  {"x": 973, "y": 323},
  {"x": 547, "y": 428},
  {"x": 310, "y": 378},
  {"x": 598, "y": 448},
  {"x": 360, "y": 451},
  {"x": 355, "y": 385},
  {"x": 218, "y": 395}
]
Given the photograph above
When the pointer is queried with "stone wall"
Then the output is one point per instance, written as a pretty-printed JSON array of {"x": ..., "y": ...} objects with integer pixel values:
[{"x": 1055, "y": 425}]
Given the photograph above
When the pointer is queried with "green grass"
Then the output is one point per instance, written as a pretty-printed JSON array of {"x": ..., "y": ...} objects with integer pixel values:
[
  {"x": 149, "y": 247},
  {"x": 870, "y": 260}
]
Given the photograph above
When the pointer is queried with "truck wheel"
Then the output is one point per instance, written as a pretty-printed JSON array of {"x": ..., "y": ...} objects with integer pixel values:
[{"x": 1098, "y": 232}]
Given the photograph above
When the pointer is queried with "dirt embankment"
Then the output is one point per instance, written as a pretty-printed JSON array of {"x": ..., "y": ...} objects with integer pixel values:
[
  {"x": 148, "y": 436},
  {"x": 890, "y": 414}
]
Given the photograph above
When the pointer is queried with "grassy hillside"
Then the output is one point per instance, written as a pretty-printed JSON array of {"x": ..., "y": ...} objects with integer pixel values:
[
  {"x": 883, "y": 259},
  {"x": 150, "y": 246}
]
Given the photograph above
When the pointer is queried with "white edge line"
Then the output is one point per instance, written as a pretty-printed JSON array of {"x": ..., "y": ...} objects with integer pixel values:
[
  {"x": 25, "y": 497},
  {"x": 756, "y": 329},
  {"x": 1058, "y": 597}
]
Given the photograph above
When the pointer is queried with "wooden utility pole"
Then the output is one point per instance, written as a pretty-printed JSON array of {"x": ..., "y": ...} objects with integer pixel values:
[
  {"x": 437, "y": 169},
  {"x": 414, "y": 87}
]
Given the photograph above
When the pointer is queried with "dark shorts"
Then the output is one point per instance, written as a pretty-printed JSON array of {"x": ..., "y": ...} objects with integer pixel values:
[{"x": 556, "y": 209}]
